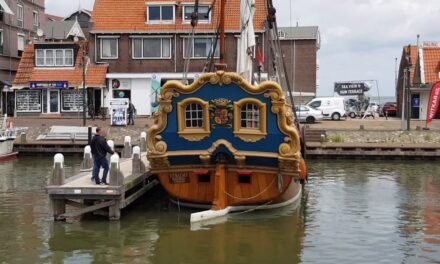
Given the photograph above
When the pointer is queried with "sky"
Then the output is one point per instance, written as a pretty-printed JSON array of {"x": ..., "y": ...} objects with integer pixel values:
[{"x": 360, "y": 38}]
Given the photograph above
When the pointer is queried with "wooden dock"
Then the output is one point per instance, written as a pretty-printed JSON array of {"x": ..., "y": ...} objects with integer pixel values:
[{"x": 128, "y": 179}]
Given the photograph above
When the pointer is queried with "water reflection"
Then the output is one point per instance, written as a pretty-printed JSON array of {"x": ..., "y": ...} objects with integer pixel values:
[{"x": 350, "y": 212}]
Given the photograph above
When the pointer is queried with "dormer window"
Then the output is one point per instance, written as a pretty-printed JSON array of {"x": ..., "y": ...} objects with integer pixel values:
[
  {"x": 54, "y": 57},
  {"x": 281, "y": 34},
  {"x": 157, "y": 14},
  {"x": 203, "y": 17}
]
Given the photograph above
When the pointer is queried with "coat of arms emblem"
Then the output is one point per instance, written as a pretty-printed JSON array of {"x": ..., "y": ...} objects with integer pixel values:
[{"x": 221, "y": 112}]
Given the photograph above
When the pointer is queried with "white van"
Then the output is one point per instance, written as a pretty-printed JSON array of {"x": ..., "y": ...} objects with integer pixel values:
[{"x": 331, "y": 107}]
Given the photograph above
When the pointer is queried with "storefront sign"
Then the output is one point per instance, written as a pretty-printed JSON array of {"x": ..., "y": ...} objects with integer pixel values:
[
  {"x": 118, "y": 111},
  {"x": 121, "y": 84},
  {"x": 351, "y": 88},
  {"x": 434, "y": 101},
  {"x": 49, "y": 85}
]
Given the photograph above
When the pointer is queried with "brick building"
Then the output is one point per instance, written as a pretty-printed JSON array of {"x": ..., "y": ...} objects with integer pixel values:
[
  {"x": 300, "y": 46},
  {"x": 19, "y": 21},
  {"x": 423, "y": 65}
]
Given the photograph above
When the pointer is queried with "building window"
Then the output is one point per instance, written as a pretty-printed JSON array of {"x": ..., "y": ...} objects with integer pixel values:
[
  {"x": 20, "y": 22},
  {"x": 152, "y": 48},
  {"x": 71, "y": 101},
  {"x": 28, "y": 101},
  {"x": 193, "y": 119},
  {"x": 250, "y": 116},
  {"x": 109, "y": 48},
  {"x": 200, "y": 48},
  {"x": 250, "y": 120},
  {"x": 54, "y": 57},
  {"x": 160, "y": 14},
  {"x": 204, "y": 13},
  {"x": 20, "y": 45},
  {"x": 1, "y": 42},
  {"x": 281, "y": 34},
  {"x": 36, "y": 21}
]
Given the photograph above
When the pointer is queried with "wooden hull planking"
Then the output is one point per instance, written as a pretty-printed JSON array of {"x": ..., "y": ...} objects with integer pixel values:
[{"x": 242, "y": 187}]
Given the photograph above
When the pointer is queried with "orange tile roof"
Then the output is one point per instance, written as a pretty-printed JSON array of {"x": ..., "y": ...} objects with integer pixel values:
[
  {"x": 27, "y": 72},
  {"x": 125, "y": 16},
  {"x": 413, "y": 55},
  {"x": 431, "y": 59}
]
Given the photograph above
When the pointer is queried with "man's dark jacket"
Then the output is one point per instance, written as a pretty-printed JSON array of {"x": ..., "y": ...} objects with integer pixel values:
[{"x": 100, "y": 147}]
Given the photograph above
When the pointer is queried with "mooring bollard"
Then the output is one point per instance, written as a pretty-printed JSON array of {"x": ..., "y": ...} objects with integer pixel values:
[
  {"x": 116, "y": 179},
  {"x": 58, "y": 206},
  {"x": 23, "y": 137},
  {"x": 111, "y": 144},
  {"x": 143, "y": 142},
  {"x": 136, "y": 162},
  {"x": 126, "y": 152},
  {"x": 87, "y": 159}
]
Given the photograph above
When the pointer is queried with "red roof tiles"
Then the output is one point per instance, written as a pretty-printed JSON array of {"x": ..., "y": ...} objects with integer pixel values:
[
  {"x": 125, "y": 16},
  {"x": 431, "y": 59},
  {"x": 27, "y": 72}
]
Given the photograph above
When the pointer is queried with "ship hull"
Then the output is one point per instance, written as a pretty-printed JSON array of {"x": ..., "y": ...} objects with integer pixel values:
[
  {"x": 6, "y": 149},
  {"x": 243, "y": 188}
]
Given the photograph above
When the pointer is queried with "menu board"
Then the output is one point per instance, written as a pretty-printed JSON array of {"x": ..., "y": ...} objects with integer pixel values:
[
  {"x": 28, "y": 101},
  {"x": 71, "y": 101}
]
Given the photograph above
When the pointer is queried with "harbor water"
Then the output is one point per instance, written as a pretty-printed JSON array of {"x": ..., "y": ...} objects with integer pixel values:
[{"x": 352, "y": 211}]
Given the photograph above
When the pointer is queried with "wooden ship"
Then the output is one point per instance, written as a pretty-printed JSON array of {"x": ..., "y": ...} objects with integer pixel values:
[{"x": 226, "y": 145}]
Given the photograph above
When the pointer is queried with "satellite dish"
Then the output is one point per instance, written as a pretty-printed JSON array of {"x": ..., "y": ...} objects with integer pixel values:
[{"x": 40, "y": 32}]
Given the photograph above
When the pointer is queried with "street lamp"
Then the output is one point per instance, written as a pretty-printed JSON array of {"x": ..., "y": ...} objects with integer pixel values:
[{"x": 85, "y": 61}]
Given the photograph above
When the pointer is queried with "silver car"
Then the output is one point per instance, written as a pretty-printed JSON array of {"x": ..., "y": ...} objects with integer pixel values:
[{"x": 308, "y": 114}]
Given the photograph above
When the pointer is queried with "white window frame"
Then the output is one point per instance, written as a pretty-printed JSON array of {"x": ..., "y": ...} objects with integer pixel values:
[
  {"x": 252, "y": 116},
  {"x": 1, "y": 41},
  {"x": 36, "y": 18},
  {"x": 161, "y": 21},
  {"x": 20, "y": 15},
  {"x": 19, "y": 35},
  {"x": 187, "y": 21},
  {"x": 54, "y": 64},
  {"x": 199, "y": 112},
  {"x": 195, "y": 58},
  {"x": 116, "y": 38},
  {"x": 161, "y": 47}
]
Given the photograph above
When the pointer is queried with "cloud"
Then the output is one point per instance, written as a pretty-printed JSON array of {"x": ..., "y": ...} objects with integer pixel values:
[
  {"x": 362, "y": 38},
  {"x": 63, "y": 8}
]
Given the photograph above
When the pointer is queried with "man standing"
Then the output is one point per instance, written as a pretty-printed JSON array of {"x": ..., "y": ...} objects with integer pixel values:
[
  {"x": 131, "y": 112},
  {"x": 100, "y": 148}
]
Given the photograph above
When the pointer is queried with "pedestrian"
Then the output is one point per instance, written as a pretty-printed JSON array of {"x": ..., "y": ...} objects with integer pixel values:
[
  {"x": 131, "y": 112},
  {"x": 100, "y": 148}
]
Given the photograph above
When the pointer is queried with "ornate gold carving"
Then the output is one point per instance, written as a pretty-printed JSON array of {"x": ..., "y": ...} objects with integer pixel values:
[
  {"x": 219, "y": 142},
  {"x": 241, "y": 160},
  {"x": 205, "y": 159},
  {"x": 249, "y": 134},
  {"x": 272, "y": 90},
  {"x": 159, "y": 163}
]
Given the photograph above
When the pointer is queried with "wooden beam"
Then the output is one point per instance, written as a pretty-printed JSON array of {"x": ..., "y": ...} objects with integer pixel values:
[{"x": 88, "y": 209}]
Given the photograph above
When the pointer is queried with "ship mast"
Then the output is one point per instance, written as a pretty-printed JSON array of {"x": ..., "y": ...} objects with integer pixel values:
[{"x": 222, "y": 65}]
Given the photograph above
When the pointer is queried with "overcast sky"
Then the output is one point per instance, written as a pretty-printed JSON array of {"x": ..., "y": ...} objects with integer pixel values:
[{"x": 360, "y": 38}]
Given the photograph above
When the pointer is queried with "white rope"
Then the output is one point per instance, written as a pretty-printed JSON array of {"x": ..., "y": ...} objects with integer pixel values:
[{"x": 253, "y": 197}]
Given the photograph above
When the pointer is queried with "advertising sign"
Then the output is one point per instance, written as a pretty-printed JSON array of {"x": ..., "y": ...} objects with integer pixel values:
[
  {"x": 121, "y": 84},
  {"x": 434, "y": 101},
  {"x": 349, "y": 88},
  {"x": 118, "y": 111},
  {"x": 155, "y": 92},
  {"x": 49, "y": 85}
]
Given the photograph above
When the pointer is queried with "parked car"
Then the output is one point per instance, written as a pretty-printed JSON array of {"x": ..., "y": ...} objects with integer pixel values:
[
  {"x": 308, "y": 114},
  {"x": 390, "y": 107},
  {"x": 331, "y": 107}
]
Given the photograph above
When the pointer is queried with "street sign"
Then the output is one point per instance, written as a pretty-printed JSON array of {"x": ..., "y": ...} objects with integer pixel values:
[
  {"x": 49, "y": 85},
  {"x": 351, "y": 88}
]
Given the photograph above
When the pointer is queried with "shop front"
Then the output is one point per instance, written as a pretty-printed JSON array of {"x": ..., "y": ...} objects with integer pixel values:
[
  {"x": 141, "y": 89},
  {"x": 48, "y": 98}
]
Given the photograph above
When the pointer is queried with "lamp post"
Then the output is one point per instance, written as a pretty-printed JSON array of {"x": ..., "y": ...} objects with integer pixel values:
[{"x": 85, "y": 61}]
